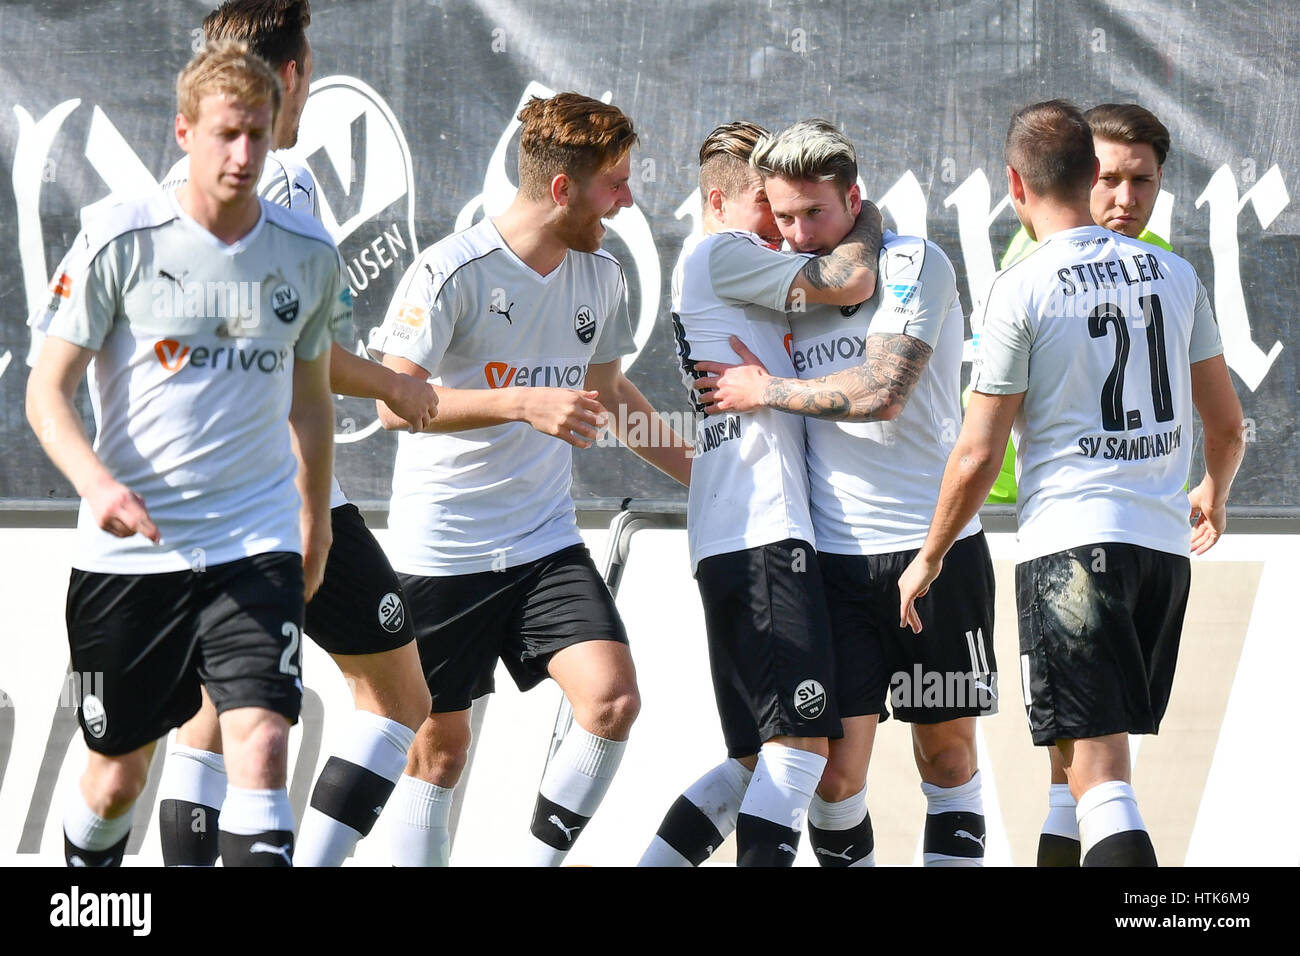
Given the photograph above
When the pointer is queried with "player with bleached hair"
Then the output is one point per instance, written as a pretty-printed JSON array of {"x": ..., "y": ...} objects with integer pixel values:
[{"x": 879, "y": 383}]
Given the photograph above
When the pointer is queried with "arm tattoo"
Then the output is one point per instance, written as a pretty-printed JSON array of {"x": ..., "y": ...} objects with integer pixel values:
[
  {"x": 877, "y": 389},
  {"x": 859, "y": 249}
]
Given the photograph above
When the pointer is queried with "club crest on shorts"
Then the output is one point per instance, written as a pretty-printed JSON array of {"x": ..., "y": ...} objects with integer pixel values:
[
  {"x": 93, "y": 716},
  {"x": 584, "y": 323},
  {"x": 391, "y": 613},
  {"x": 809, "y": 699},
  {"x": 284, "y": 302}
]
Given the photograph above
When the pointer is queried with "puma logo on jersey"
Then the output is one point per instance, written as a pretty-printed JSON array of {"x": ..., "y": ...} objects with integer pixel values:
[
  {"x": 505, "y": 311},
  {"x": 282, "y": 851},
  {"x": 904, "y": 255},
  {"x": 179, "y": 280},
  {"x": 966, "y": 834},
  {"x": 838, "y": 856},
  {"x": 171, "y": 354},
  {"x": 502, "y": 375},
  {"x": 568, "y": 831}
]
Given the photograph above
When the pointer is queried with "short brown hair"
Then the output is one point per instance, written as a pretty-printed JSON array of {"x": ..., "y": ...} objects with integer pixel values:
[
  {"x": 275, "y": 30},
  {"x": 724, "y": 157},
  {"x": 1050, "y": 145},
  {"x": 228, "y": 68},
  {"x": 571, "y": 134},
  {"x": 1129, "y": 123},
  {"x": 811, "y": 150}
]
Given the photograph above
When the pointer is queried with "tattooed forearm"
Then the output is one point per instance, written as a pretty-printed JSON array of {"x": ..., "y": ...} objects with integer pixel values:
[
  {"x": 876, "y": 390},
  {"x": 860, "y": 249}
]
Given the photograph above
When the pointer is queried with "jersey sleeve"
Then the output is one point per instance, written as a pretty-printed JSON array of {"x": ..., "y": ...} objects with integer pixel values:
[
  {"x": 84, "y": 297},
  {"x": 616, "y": 332},
  {"x": 1205, "y": 341},
  {"x": 332, "y": 316},
  {"x": 1002, "y": 357},
  {"x": 744, "y": 271},
  {"x": 420, "y": 318},
  {"x": 915, "y": 302}
]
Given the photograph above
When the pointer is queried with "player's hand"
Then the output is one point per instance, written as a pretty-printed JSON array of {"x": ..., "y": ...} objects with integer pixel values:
[
  {"x": 575, "y": 417},
  {"x": 733, "y": 388},
  {"x": 913, "y": 584},
  {"x": 120, "y": 511},
  {"x": 316, "y": 541},
  {"x": 1208, "y": 522},
  {"x": 413, "y": 400}
]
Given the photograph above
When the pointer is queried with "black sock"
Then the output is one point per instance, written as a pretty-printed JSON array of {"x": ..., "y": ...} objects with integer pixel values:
[
  {"x": 1056, "y": 850},
  {"x": 269, "y": 848},
  {"x": 74, "y": 855},
  {"x": 188, "y": 832},
  {"x": 1126, "y": 848},
  {"x": 761, "y": 842}
]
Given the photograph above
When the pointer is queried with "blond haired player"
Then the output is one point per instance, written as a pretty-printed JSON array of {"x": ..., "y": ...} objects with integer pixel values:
[
  {"x": 195, "y": 549},
  {"x": 520, "y": 322}
]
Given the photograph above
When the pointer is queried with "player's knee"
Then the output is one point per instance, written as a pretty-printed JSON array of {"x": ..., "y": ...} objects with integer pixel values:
[
  {"x": 948, "y": 766},
  {"x": 612, "y": 716},
  {"x": 115, "y": 786},
  {"x": 412, "y": 709},
  {"x": 835, "y": 785},
  {"x": 440, "y": 752}
]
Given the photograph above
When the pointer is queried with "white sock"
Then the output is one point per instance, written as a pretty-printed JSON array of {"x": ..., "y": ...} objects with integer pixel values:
[
  {"x": 1061, "y": 820},
  {"x": 701, "y": 819},
  {"x": 352, "y": 789},
  {"x": 248, "y": 812},
  {"x": 846, "y": 814},
  {"x": 775, "y": 805},
  {"x": 193, "y": 775},
  {"x": 954, "y": 824},
  {"x": 418, "y": 834},
  {"x": 1106, "y": 809},
  {"x": 575, "y": 782},
  {"x": 87, "y": 830}
]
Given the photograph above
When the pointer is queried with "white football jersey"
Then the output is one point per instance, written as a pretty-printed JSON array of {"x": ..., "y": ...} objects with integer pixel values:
[
  {"x": 476, "y": 316},
  {"x": 874, "y": 485},
  {"x": 286, "y": 182},
  {"x": 195, "y": 342},
  {"x": 1099, "y": 331},
  {"x": 749, "y": 485}
]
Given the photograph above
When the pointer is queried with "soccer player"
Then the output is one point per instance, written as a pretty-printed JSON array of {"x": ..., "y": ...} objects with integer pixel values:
[
  {"x": 1104, "y": 434},
  {"x": 748, "y": 526},
  {"x": 1131, "y": 145},
  {"x": 208, "y": 314},
  {"x": 359, "y": 615},
  {"x": 521, "y": 321},
  {"x": 880, "y": 383}
]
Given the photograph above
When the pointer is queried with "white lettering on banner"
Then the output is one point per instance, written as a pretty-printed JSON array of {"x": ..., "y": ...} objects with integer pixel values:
[
  {"x": 971, "y": 200},
  {"x": 34, "y": 141},
  {"x": 1269, "y": 197},
  {"x": 906, "y": 204},
  {"x": 360, "y": 152},
  {"x": 630, "y": 225}
]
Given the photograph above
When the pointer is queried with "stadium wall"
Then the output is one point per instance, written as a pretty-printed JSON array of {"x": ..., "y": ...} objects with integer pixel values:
[{"x": 1207, "y": 783}]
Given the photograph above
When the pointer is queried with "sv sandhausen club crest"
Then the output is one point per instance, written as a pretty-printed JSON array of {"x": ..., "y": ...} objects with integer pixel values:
[
  {"x": 584, "y": 324},
  {"x": 284, "y": 302}
]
